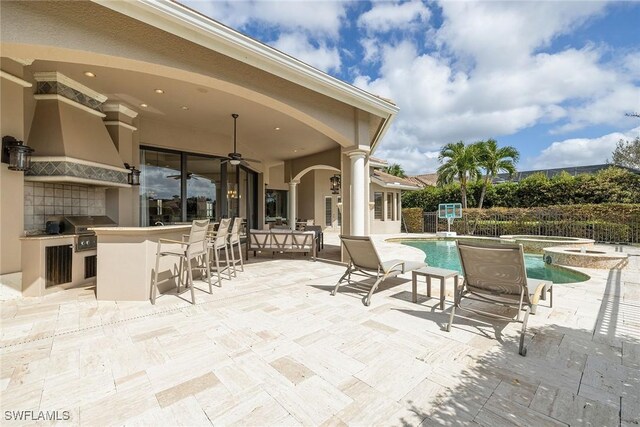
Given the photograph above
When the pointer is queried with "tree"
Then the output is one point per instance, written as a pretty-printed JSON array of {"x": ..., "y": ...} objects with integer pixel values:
[
  {"x": 459, "y": 161},
  {"x": 395, "y": 170},
  {"x": 627, "y": 153},
  {"x": 495, "y": 160}
]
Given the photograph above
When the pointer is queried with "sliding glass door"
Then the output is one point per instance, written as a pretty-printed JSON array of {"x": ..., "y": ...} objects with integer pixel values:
[{"x": 180, "y": 187}]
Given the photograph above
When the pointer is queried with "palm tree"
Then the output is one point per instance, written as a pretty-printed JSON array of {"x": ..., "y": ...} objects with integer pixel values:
[
  {"x": 495, "y": 160},
  {"x": 395, "y": 170},
  {"x": 459, "y": 161}
]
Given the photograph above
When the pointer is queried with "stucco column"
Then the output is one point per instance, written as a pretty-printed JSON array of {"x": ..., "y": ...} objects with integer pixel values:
[
  {"x": 358, "y": 194},
  {"x": 293, "y": 203}
]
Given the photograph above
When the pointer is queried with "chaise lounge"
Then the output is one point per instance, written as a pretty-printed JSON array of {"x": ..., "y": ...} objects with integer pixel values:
[{"x": 365, "y": 261}]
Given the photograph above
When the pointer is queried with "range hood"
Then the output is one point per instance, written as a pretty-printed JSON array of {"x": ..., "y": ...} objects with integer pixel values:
[{"x": 70, "y": 139}]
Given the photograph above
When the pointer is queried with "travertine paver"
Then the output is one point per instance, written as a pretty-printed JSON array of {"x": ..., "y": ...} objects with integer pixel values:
[{"x": 272, "y": 347}]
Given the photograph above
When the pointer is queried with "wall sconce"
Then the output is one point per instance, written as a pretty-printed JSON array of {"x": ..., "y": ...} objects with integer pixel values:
[
  {"x": 134, "y": 174},
  {"x": 16, "y": 154},
  {"x": 335, "y": 184}
]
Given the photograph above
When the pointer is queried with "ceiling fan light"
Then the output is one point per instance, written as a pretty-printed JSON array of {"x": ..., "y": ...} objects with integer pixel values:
[{"x": 234, "y": 162}]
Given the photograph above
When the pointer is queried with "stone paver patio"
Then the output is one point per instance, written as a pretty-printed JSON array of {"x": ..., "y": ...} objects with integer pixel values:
[{"x": 272, "y": 347}]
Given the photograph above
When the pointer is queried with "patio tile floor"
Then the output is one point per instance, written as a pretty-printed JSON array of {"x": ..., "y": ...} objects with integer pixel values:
[{"x": 272, "y": 347}]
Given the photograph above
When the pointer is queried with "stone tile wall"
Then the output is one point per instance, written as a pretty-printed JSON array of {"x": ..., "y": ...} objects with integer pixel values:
[{"x": 43, "y": 200}]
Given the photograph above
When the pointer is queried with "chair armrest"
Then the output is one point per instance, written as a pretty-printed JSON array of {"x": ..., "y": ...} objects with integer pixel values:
[
  {"x": 173, "y": 241},
  {"x": 538, "y": 293}
]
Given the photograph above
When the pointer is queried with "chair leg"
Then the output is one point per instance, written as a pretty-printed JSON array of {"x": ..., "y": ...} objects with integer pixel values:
[
  {"x": 226, "y": 255},
  {"x": 367, "y": 300},
  {"x": 233, "y": 260},
  {"x": 155, "y": 289},
  {"x": 190, "y": 280},
  {"x": 240, "y": 256},
  {"x": 551, "y": 296},
  {"x": 217, "y": 256},
  {"x": 208, "y": 268},
  {"x": 335, "y": 290},
  {"x": 522, "y": 350}
]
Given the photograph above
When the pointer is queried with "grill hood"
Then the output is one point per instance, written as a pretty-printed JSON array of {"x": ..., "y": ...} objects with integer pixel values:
[{"x": 70, "y": 139}]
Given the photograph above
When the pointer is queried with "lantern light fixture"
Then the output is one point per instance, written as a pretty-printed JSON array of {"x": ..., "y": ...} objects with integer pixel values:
[
  {"x": 16, "y": 154},
  {"x": 335, "y": 184},
  {"x": 134, "y": 174}
]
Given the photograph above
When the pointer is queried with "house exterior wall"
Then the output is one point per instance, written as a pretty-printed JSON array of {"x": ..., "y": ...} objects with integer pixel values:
[
  {"x": 11, "y": 182},
  {"x": 385, "y": 225}
]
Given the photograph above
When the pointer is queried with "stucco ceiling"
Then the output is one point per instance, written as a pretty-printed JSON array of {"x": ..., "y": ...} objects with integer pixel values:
[{"x": 209, "y": 110}]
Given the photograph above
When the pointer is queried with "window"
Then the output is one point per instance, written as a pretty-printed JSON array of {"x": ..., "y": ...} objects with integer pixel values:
[
  {"x": 328, "y": 221},
  {"x": 390, "y": 207},
  {"x": 377, "y": 205},
  {"x": 275, "y": 205},
  {"x": 339, "y": 212}
]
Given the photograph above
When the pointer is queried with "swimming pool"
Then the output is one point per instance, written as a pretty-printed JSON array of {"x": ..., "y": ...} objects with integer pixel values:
[{"x": 444, "y": 254}]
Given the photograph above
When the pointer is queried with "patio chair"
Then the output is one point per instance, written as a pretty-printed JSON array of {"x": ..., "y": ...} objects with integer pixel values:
[
  {"x": 217, "y": 244},
  {"x": 234, "y": 242},
  {"x": 365, "y": 261},
  {"x": 497, "y": 275},
  {"x": 194, "y": 247}
]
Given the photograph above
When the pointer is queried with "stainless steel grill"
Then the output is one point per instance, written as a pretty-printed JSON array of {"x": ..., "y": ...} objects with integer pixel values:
[{"x": 87, "y": 239}]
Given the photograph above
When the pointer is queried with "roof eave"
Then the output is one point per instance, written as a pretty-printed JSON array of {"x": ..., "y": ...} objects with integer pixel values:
[{"x": 187, "y": 24}]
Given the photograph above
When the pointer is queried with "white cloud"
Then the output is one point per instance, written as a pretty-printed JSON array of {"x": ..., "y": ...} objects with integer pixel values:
[
  {"x": 580, "y": 151},
  {"x": 492, "y": 77},
  {"x": 321, "y": 18},
  {"x": 297, "y": 45},
  {"x": 383, "y": 16}
]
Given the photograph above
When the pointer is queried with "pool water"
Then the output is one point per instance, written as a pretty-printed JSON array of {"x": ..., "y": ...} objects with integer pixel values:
[{"x": 444, "y": 254}]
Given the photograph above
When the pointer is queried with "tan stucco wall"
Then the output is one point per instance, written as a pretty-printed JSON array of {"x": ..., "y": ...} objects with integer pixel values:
[
  {"x": 11, "y": 182},
  {"x": 384, "y": 226}
]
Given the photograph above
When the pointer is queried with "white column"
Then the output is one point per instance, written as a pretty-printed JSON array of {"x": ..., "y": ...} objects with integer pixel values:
[
  {"x": 358, "y": 202},
  {"x": 293, "y": 202}
]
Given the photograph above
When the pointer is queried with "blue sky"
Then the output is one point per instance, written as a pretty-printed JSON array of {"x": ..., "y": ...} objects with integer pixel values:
[{"x": 554, "y": 79}]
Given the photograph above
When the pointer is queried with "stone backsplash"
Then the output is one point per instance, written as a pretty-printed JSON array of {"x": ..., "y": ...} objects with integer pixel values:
[{"x": 43, "y": 200}]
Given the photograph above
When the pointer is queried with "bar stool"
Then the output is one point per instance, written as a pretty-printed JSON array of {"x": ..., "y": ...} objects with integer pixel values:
[
  {"x": 218, "y": 243},
  {"x": 194, "y": 247},
  {"x": 234, "y": 239}
]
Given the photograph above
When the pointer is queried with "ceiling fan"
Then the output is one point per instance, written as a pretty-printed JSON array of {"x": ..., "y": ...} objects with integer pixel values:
[
  {"x": 189, "y": 176},
  {"x": 236, "y": 158}
]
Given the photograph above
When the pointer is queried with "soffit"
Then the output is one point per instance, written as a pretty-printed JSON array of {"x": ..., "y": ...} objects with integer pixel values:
[{"x": 209, "y": 110}]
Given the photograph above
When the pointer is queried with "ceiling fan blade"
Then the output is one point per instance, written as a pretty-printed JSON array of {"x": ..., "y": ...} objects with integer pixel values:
[{"x": 251, "y": 160}]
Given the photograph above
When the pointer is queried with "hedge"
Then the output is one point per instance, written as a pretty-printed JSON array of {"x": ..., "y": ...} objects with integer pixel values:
[{"x": 413, "y": 219}]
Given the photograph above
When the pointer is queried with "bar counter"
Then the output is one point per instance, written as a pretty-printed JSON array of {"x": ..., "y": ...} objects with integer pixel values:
[{"x": 127, "y": 258}]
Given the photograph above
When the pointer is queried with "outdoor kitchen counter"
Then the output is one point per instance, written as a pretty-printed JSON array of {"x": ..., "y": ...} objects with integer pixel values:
[{"x": 127, "y": 258}]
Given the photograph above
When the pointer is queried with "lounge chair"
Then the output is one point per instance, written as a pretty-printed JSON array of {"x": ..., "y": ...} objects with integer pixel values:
[
  {"x": 365, "y": 261},
  {"x": 496, "y": 274}
]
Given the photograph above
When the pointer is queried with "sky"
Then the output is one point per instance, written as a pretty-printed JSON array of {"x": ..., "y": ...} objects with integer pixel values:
[{"x": 552, "y": 78}]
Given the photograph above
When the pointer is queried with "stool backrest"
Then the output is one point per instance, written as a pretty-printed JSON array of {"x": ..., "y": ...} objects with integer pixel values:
[
  {"x": 220, "y": 239},
  {"x": 234, "y": 235},
  {"x": 198, "y": 237}
]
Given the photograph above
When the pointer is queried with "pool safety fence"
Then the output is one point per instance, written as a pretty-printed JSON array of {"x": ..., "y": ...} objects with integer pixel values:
[{"x": 538, "y": 223}]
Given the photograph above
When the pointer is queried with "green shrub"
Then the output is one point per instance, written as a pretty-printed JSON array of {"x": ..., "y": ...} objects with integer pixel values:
[{"x": 413, "y": 218}]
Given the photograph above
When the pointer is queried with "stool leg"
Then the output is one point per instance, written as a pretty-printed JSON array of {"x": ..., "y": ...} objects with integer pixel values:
[
  {"x": 155, "y": 289},
  {"x": 190, "y": 280},
  {"x": 217, "y": 254},
  {"x": 208, "y": 268},
  {"x": 240, "y": 256},
  {"x": 226, "y": 255},
  {"x": 233, "y": 260}
]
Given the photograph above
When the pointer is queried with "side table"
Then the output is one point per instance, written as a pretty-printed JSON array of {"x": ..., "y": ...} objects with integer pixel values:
[{"x": 436, "y": 273}]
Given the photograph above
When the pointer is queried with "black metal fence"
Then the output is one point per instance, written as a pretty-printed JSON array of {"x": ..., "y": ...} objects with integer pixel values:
[{"x": 541, "y": 224}]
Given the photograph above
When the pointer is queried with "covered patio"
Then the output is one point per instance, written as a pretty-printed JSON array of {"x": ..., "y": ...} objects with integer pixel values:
[{"x": 272, "y": 347}]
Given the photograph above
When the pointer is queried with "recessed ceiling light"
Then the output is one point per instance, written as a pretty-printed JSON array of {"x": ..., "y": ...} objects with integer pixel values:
[
  {"x": 89, "y": 74},
  {"x": 184, "y": 107},
  {"x": 143, "y": 105},
  {"x": 158, "y": 91},
  {"x": 276, "y": 128}
]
